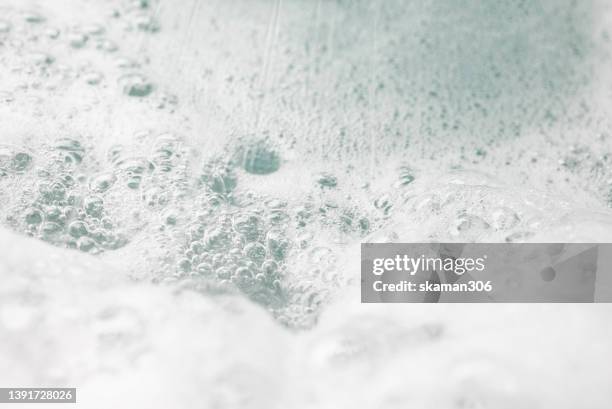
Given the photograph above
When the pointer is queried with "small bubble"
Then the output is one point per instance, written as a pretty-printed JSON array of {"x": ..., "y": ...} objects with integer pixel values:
[
  {"x": 218, "y": 260},
  {"x": 139, "y": 4},
  {"x": 277, "y": 244},
  {"x": 364, "y": 224},
  {"x": 218, "y": 177},
  {"x": 53, "y": 192},
  {"x": 304, "y": 239},
  {"x": 184, "y": 265},
  {"x": 243, "y": 276},
  {"x": 69, "y": 181},
  {"x": 102, "y": 182},
  {"x": 77, "y": 229},
  {"x": 154, "y": 197},
  {"x": 278, "y": 216},
  {"x": 86, "y": 244},
  {"x": 166, "y": 100},
  {"x": 77, "y": 40},
  {"x": 196, "y": 231},
  {"x": 406, "y": 176},
  {"x": 99, "y": 235},
  {"x": 223, "y": 273},
  {"x": 69, "y": 212},
  {"x": 133, "y": 168},
  {"x": 14, "y": 160},
  {"x": 170, "y": 217},
  {"x": 52, "y": 33},
  {"x": 136, "y": 85},
  {"x": 260, "y": 278},
  {"x": 21, "y": 162},
  {"x": 41, "y": 59},
  {"x": 165, "y": 150},
  {"x": 146, "y": 23},
  {"x": 248, "y": 225},
  {"x": 49, "y": 228},
  {"x": 480, "y": 152},
  {"x": 94, "y": 206},
  {"x": 74, "y": 152},
  {"x": 114, "y": 154},
  {"x": 244, "y": 272},
  {"x": 204, "y": 269},
  {"x": 383, "y": 203},
  {"x": 93, "y": 78},
  {"x": 217, "y": 239},
  {"x": 34, "y": 18},
  {"x": 197, "y": 247},
  {"x": 255, "y": 252},
  {"x": 327, "y": 180},
  {"x": 33, "y": 217},
  {"x": 52, "y": 213},
  {"x": 106, "y": 223},
  {"x": 269, "y": 268}
]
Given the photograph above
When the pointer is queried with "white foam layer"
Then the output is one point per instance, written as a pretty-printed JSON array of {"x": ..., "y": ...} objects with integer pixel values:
[{"x": 68, "y": 319}]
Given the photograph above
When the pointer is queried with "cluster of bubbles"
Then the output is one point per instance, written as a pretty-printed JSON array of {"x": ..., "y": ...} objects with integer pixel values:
[
  {"x": 139, "y": 15},
  {"x": 463, "y": 207},
  {"x": 60, "y": 208},
  {"x": 82, "y": 202},
  {"x": 218, "y": 235},
  {"x": 587, "y": 164},
  {"x": 14, "y": 160},
  {"x": 215, "y": 233},
  {"x": 48, "y": 46},
  {"x": 227, "y": 238}
]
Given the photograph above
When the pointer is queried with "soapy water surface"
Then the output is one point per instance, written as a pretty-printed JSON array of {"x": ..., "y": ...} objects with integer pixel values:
[{"x": 184, "y": 186}]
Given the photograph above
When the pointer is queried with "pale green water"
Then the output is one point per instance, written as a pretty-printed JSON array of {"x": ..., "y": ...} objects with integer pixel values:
[{"x": 244, "y": 149}]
